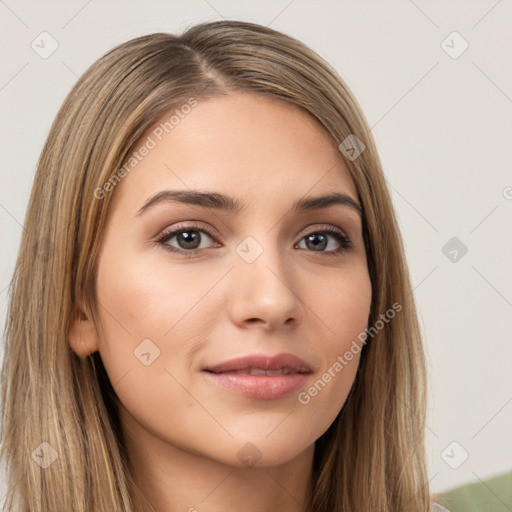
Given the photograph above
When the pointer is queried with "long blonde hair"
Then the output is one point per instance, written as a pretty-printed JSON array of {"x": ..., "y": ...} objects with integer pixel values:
[{"x": 372, "y": 456}]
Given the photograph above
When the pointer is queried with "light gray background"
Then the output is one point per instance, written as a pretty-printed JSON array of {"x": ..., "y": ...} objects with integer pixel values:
[{"x": 443, "y": 127}]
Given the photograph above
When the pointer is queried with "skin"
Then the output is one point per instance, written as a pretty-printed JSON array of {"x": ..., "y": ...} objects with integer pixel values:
[{"x": 184, "y": 434}]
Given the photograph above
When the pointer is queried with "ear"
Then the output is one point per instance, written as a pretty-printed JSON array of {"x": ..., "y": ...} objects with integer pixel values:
[{"x": 83, "y": 336}]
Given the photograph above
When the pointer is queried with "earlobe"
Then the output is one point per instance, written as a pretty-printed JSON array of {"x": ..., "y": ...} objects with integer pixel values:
[{"x": 83, "y": 337}]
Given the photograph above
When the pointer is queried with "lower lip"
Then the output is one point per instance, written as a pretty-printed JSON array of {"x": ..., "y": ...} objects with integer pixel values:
[{"x": 263, "y": 387}]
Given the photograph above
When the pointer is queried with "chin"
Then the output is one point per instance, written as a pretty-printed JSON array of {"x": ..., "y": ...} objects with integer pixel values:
[{"x": 261, "y": 452}]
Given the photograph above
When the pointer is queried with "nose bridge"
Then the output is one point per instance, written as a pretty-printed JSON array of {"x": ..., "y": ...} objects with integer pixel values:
[
  {"x": 264, "y": 286},
  {"x": 261, "y": 258}
]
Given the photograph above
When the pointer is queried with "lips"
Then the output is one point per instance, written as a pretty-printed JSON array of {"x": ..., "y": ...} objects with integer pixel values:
[
  {"x": 259, "y": 376},
  {"x": 260, "y": 364}
]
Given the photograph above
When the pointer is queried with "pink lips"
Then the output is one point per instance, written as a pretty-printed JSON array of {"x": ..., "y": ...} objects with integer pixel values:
[{"x": 260, "y": 376}]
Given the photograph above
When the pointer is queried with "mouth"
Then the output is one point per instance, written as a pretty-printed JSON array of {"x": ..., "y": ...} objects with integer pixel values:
[
  {"x": 259, "y": 371},
  {"x": 261, "y": 377},
  {"x": 259, "y": 363}
]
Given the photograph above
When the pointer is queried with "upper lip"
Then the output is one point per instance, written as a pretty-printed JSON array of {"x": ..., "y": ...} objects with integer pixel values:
[{"x": 264, "y": 362}]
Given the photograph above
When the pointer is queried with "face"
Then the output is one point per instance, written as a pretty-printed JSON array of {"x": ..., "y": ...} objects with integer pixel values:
[{"x": 183, "y": 286}]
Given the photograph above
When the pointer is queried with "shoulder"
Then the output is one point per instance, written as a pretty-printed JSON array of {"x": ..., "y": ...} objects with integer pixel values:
[{"x": 437, "y": 507}]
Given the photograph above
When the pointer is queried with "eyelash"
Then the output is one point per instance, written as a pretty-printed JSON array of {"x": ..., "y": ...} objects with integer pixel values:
[{"x": 343, "y": 240}]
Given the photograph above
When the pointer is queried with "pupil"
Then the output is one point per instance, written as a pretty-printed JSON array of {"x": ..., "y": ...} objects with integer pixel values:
[
  {"x": 190, "y": 239},
  {"x": 316, "y": 243}
]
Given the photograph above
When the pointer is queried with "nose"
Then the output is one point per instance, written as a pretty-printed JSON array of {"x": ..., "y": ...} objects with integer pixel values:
[{"x": 264, "y": 292}]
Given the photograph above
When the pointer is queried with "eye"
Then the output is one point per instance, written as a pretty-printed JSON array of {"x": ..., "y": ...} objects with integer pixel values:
[
  {"x": 318, "y": 241},
  {"x": 188, "y": 239}
]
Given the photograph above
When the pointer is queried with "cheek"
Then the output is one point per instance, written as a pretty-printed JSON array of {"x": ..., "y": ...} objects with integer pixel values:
[
  {"x": 145, "y": 300},
  {"x": 343, "y": 307},
  {"x": 150, "y": 326},
  {"x": 343, "y": 304},
  {"x": 140, "y": 302}
]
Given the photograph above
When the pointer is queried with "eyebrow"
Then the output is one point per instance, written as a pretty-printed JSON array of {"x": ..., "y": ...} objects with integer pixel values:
[{"x": 217, "y": 201}]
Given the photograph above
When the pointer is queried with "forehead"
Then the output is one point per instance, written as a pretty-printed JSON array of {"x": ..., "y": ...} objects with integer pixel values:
[{"x": 243, "y": 145}]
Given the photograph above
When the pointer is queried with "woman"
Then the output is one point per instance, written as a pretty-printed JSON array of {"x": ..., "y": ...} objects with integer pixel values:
[{"x": 211, "y": 308}]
